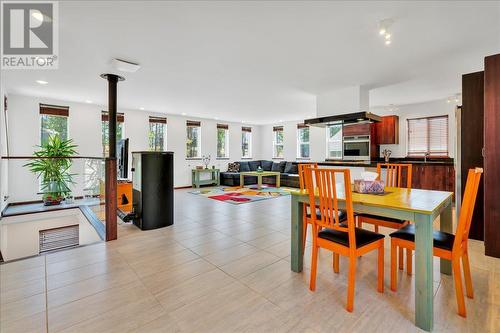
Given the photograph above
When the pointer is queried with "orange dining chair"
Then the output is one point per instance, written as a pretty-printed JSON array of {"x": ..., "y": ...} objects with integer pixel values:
[
  {"x": 394, "y": 178},
  {"x": 446, "y": 246},
  {"x": 306, "y": 211},
  {"x": 329, "y": 232}
]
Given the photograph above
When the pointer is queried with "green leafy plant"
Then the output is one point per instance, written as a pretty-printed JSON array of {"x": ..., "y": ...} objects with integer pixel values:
[{"x": 51, "y": 165}]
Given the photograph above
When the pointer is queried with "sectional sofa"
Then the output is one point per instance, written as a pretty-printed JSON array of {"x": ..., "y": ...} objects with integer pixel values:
[{"x": 288, "y": 173}]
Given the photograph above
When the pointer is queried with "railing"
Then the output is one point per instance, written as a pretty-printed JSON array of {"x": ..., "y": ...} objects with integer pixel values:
[{"x": 20, "y": 185}]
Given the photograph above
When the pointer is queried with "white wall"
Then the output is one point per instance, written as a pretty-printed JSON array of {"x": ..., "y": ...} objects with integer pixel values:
[
  {"x": 84, "y": 127},
  {"x": 20, "y": 234}
]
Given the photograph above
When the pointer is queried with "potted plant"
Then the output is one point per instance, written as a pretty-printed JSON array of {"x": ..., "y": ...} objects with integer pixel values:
[{"x": 51, "y": 165}]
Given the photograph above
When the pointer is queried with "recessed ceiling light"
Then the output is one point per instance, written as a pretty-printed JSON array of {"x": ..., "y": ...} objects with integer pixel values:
[
  {"x": 387, "y": 36},
  {"x": 37, "y": 15},
  {"x": 41, "y": 82},
  {"x": 88, "y": 101},
  {"x": 184, "y": 113},
  {"x": 388, "y": 42},
  {"x": 382, "y": 31},
  {"x": 141, "y": 108}
]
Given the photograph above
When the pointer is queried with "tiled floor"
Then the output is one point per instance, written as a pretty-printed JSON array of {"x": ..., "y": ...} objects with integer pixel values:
[{"x": 223, "y": 268}]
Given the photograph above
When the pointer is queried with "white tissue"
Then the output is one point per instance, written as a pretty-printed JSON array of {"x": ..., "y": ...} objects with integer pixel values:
[{"x": 369, "y": 176}]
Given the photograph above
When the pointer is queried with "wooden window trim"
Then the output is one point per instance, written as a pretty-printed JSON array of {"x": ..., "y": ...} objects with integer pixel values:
[
  {"x": 223, "y": 126},
  {"x": 246, "y": 129},
  {"x": 300, "y": 126},
  {"x": 54, "y": 110},
  {"x": 193, "y": 123},
  {"x": 120, "y": 117},
  {"x": 158, "y": 120},
  {"x": 277, "y": 128}
]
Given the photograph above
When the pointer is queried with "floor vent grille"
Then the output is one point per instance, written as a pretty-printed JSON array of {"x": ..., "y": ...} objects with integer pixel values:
[{"x": 59, "y": 238}]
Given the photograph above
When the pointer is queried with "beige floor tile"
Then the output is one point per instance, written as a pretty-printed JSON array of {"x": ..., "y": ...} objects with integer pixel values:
[
  {"x": 22, "y": 308},
  {"x": 157, "y": 264},
  {"x": 11, "y": 293},
  {"x": 31, "y": 324},
  {"x": 268, "y": 240},
  {"x": 163, "y": 324},
  {"x": 230, "y": 254},
  {"x": 249, "y": 264},
  {"x": 216, "y": 245}
]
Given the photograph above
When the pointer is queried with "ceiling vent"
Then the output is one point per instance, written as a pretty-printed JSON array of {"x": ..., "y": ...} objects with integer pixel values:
[{"x": 125, "y": 66}]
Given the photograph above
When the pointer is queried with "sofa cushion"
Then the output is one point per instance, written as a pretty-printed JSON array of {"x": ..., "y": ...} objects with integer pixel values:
[
  {"x": 254, "y": 165},
  {"x": 267, "y": 165},
  {"x": 228, "y": 175},
  {"x": 276, "y": 167},
  {"x": 233, "y": 167},
  {"x": 291, "y": 167},
  {"x": 244, "y": 167}
]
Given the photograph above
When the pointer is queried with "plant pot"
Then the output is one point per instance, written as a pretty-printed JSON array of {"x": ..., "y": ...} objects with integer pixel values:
[{"x": 52, "y": 201}]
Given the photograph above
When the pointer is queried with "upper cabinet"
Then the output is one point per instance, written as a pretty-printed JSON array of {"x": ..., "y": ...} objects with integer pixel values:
[
  {"x": 356, "y": 129},
  {"x": 387, "y": 130}
]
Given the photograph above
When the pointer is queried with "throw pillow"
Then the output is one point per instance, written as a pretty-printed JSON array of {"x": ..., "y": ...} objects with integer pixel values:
[{"x": 233, "y": 167}]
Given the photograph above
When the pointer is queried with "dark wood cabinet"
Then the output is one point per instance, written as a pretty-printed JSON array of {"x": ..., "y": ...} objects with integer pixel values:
[
  {"x": 387, "y": 130},
  {"x": 356, "y": 129},
  {"x": 433, "y": 177}
]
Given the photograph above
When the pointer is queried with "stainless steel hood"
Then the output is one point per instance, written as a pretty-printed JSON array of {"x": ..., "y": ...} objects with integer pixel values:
[{"x": 346, "y": 118}]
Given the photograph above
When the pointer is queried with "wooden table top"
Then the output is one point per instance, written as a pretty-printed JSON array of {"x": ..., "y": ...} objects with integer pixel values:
[
  {"x": 412, "y": 200},
  {"x": 262, "y": 173}
]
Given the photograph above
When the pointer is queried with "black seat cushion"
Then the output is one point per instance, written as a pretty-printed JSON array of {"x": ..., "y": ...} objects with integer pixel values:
[
  {"x": 363, "y": 237},
  {"x": 442, "y": 240},
  {"x": 342, "y": 214},
  {"x": 388, "y": 219},
  {"x": 291, "y": 167}
]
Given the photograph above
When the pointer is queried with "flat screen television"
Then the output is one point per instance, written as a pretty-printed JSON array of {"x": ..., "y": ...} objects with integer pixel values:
[{"x": 122, "y": 162}]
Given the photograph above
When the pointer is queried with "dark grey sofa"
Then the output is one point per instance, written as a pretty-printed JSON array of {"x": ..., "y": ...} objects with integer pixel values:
[{"x": 288, "y": 173}]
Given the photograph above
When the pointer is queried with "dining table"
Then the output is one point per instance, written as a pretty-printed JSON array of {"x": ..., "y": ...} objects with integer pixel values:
[{"x": 420, "y": 207}]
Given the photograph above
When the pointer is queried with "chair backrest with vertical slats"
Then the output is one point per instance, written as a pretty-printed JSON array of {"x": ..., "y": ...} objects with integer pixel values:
[
  {"x": 467, "y": 208},
  {"x": 394, "y": 174},
  {"x": 323, "y": 182},
  {"x": 302, "y": 168}
]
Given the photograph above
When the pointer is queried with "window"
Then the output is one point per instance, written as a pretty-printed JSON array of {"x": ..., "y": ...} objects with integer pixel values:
[
  {"x": 193, "y": 139},
  {"x": 120, "y": 118},
  {"x": 428, "y": 136},
  {"x": 278, "y": 142},
  {"x": 156, "y": 135},
  {"x": 246, "y": 142},
  {"x": 54, "y": 122},
  {"x": 222, "y": 141},
  {"x": 303, "y": 141},
  {"x": 334, "y": 141}
]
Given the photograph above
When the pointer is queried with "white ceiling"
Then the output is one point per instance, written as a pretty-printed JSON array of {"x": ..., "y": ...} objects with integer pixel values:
[{"x": 263, "y": 61}]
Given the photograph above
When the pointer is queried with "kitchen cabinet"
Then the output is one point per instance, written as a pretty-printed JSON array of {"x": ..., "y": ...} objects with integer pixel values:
[
  {"x": 356, "y": 129},
  {"x": 436, "y": 177},
  {"x": 387, "y": 130}
]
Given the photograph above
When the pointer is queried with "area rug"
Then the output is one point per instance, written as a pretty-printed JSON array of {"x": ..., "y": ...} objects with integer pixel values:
[{"x": 237, "y": 195}]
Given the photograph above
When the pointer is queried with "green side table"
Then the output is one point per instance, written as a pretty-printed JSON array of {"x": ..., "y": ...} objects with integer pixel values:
[{"x": 214, "y": 177}]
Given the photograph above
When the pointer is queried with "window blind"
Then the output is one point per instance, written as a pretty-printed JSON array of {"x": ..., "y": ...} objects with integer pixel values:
[
  {"x": 246, "y": 129},
  {"x": 193, "y": 123},
  {"x": 428, "y": 136},
  {"x": 120, "y": 117},
  {"x": 223, "y": 126},
  {"x": 302, "y": 126},
  {"x": 277, "y": 128},
  {"x": 54, "y": 110},
  {"x": 158, "y": 120}
]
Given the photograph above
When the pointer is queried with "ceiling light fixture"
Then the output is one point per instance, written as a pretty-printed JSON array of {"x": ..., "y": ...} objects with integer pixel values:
[
  {"x": 41, "y": 82},
  {"x": 383, "y": 30},
  {"x": 388, "y": 42},
  {"x": 125, "y": 65}
]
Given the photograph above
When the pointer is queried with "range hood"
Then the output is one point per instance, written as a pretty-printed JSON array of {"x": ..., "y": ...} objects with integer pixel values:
[{"x": 346, "y": 118}]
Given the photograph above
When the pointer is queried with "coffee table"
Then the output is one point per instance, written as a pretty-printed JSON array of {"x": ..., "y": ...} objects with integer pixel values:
[{"x": 259, "y": 176}]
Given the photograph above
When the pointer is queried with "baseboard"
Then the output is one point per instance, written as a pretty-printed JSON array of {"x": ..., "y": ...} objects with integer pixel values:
[{"x": 181, "y": 187}]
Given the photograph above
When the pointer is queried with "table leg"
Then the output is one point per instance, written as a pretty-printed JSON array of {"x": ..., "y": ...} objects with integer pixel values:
[
  {"x": 193, "y": 179},
  {"x": 446, "y": 225},
  {"x": 297, "y": 255},
  {"x": 424, "y": 302},
  {"x": 278, "y": 181},
  {"x": 218, "y": 177},
  {"x": 242, "y": 180},
  {"x": 259, "y": 182}
]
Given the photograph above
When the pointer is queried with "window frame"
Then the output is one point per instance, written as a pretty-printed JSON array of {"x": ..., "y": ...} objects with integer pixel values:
[
  {"x": 328, "y": 141},
  {"x": 302, "y": 127},
  {"x": 46, "y": 110},
  {"x": 157, "y": 121},
  {"x": 246, "y": 132},
  {"x": 276, "y": 130},
  {"x": 225, "y": 129},
  {"x": 120, "y": 123},
  {"x": 194, "y": 125},
  {"x": 428, "y": 152}
]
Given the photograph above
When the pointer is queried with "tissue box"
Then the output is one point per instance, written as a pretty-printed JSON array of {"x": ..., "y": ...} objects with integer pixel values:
[{"x": 368, "y": 186}]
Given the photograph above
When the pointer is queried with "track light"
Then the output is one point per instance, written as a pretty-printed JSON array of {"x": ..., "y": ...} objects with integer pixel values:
[{"x": 383, "y": 30}]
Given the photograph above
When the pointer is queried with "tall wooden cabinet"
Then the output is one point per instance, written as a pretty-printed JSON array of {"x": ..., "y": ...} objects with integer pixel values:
[
  {"x": 492, "y": 155},
  {"x": 387, "y": 130}
]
